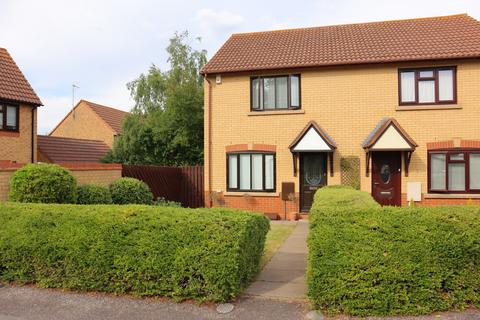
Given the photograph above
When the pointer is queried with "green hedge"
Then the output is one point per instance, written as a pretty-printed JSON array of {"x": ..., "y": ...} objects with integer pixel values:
[
  {"x": 93, "y": 194},
  {"x": 342, "y": 196},
  {"x": 393, "y": 261},
  {"x": 43, "y": 183},
  {"x": 203, "y": 254},
  {"x": 130, "y": 191}
]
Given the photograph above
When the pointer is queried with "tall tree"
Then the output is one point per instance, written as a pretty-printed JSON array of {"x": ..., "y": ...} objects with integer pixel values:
[{"x": 166, "y": 124}]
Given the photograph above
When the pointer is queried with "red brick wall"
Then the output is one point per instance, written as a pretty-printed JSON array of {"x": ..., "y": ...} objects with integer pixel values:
[
  {"x": 269, "y": 205},
  {"x": 430, "y": 202}
]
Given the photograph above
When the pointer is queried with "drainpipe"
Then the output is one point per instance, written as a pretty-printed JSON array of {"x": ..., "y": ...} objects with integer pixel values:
[
  {"x": 209, "y": 145},
  {"x": 33, "y": 133}
]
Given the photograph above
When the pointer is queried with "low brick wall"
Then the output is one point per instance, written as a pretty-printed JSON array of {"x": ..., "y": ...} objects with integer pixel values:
[
  {"x": 102, "y": 174},
  {"x": 97, "y": 173},
  {"x": 271, "y": 205}
]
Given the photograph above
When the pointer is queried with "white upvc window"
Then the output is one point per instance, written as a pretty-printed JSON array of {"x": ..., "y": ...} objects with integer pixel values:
[{"x": 254, "y": 171}]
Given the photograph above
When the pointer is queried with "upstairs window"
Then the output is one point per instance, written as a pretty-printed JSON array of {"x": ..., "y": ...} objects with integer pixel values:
[
  {"x": 454, "y": 171},
  {"x": 251, "y": 172},
  {"x": 8, "y": 117},
  {"x": 427, "y": 86},
  {"x": 275, "y": 93}
]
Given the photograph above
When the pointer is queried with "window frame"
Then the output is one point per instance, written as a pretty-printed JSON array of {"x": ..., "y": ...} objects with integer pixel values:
[
  {"x": 466, "y": 160},
  {"x": 3, "y": 111},
  {"x": 289, "y": 92},
  {"x": 435, "y": 78},
  {"x": 238, "y": 189}
]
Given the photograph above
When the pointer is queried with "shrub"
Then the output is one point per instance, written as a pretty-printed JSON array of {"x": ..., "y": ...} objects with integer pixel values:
[
  {"x": 342, "y": 196},
  {"x": 130, "y": 191},
  {"x": 202, "y": 254},
  {"x": 45, "y": 183},
  {"x": 167, "y": 203},
  {"x": 93, "y": 194},
  {"x": 393, "y": 261}
]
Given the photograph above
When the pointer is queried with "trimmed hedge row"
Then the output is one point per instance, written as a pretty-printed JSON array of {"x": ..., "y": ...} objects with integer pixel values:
[
  {"x": 392, "y": 261},
  {"x": 203, "y": 254}
]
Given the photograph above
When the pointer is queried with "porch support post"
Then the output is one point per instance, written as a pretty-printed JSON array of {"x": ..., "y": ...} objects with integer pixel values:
[
  {"x": 330, "y": 156},
  {"x": 294, "y": 156},
  {"x": 407, "y": 156},
  {"x": 367, "y": 163}
]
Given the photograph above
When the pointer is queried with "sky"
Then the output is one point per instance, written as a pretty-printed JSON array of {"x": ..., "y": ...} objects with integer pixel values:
[{"x": 101, "y": 45}]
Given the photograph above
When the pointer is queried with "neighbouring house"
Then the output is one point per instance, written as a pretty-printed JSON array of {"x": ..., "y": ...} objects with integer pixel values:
[
  {"x": 18, "y": 113},
  {"x": 391, "y": 107},
  {"x": 92, "y": 121},
  {"x": 67, "y": 150}
]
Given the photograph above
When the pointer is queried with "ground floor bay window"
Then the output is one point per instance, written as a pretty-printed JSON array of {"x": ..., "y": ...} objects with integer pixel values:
[
  {"x": 454, "y": 171},
  {"x": 251, "y": 172}
]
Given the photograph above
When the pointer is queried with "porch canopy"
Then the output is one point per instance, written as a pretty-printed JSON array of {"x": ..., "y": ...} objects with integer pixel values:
[
  {"x": 312, "y": 139},
  {"x": 388, "y": 135}
]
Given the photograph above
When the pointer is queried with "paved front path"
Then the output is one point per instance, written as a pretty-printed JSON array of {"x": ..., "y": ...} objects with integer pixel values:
[{"x": 284, "y": 276}]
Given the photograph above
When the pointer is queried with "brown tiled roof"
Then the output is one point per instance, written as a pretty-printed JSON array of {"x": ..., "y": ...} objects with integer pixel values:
[
  {"x": 13, "y": 84},
  {"x": 62, "y": 150},
  {"x": 448, "y": 37},
  {"x": 113, "y": 117}
]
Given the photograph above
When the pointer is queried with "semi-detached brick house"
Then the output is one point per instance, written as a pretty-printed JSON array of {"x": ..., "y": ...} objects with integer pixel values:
[
  {"x": 392, "y": 106},
  {"x": 18, "y": 113}
]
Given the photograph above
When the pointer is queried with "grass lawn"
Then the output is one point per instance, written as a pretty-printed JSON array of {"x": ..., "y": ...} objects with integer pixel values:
[{"x": 275, "y": 238}]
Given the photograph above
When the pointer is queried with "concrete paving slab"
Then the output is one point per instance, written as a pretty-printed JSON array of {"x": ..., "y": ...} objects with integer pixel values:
[
  {"x": 279, "y": 275},
  {"x": 279, "y": 290}
]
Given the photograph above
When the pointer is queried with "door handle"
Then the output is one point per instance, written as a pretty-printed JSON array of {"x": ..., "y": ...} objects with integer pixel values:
[{"x": 376, "y": 183}]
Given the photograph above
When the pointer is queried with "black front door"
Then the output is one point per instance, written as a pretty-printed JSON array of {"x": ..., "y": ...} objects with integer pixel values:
[
  {"x": 387, "y": 178},
  {"x": 313, "y": 175}
]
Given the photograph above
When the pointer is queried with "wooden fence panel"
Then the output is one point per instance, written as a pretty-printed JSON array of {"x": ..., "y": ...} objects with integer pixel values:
[
  {"x": 192, "y": 186},
  {"x": 180, "y": 184}
]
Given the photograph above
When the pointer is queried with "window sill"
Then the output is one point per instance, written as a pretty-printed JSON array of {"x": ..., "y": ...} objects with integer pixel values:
[
  {"x": 429, "y": 107},
  {"x": 452, "y": 196},
  {"x": 251, "y": 194},
  {"x": 6, "y": 133},
  {"x": 275, "y": 112}
]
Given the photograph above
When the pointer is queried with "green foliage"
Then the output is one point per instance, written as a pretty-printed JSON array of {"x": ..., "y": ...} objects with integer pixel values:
[
  {"x": 167, "y": 203},
  {"x": 341, "y": 196},
  {"x": 369, "y": 260},
  {"x": 130, "y": 191},
  {"x": 45, "y": 183},
  {"x": 93, "y": 194},
  {"x": 201, "y": 254},
  {"x": 166, "y": 125}
]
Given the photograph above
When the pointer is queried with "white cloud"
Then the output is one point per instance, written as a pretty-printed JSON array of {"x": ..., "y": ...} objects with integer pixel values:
[{"x": 213, "y": 22}]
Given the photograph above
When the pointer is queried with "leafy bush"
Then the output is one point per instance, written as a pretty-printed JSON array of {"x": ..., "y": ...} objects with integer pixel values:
[
  {"x": 392, "y": 261},
  {"x": 342, "y": 196},
  {"x": 167, "y": 203},
  {"x": 93, "y": 194},
  {"x": 130, "y": 191},
  {"x": 45, "y": 183},
  {"x": 203, "y": 254}
]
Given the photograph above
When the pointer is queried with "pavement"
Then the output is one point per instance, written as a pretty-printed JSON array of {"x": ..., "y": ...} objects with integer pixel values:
[
  {"x": 284, "y": 275},
  {"x": 28, "y": 303}
]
